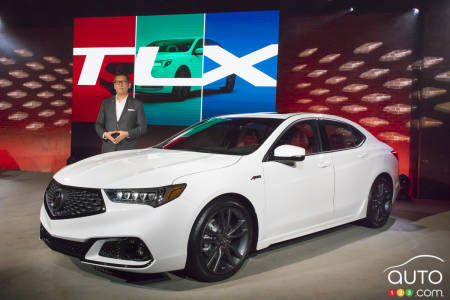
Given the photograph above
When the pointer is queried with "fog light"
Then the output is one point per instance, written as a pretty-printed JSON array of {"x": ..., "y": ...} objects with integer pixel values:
[
  {"x": 141, "y": 251},
  {"x": 126, "y": 249}
]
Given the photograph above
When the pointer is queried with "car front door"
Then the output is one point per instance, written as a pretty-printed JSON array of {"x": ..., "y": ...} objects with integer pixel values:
[
  {"x": 299, "y": 195},
  {"x": 196, "y": 60}
]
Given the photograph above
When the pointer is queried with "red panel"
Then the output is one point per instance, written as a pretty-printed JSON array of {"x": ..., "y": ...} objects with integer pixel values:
[
  {"x": 104, "y": 32},
  {"x": 98, "y": 32}
]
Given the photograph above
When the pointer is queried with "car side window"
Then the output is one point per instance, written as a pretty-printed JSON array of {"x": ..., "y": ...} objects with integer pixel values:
[
  {"x": 338, "y": 136},
  {"x": 199, "y": 44},
  {"x": 301, "y": 134}
]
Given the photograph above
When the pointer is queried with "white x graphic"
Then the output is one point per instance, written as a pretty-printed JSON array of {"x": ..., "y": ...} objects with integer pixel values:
[{"x": 243, "y": 67}]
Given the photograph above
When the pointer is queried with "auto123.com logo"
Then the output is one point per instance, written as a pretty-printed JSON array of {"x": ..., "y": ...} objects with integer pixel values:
[{"x": 409, "y": 280}]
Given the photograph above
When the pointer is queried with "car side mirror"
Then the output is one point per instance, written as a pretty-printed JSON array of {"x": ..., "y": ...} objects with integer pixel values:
[
  {"x": 198, "y": 51},
  {"x": 289, "y": 153}
]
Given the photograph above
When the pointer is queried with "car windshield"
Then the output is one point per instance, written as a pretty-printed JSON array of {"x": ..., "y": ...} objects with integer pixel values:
[
  {"x": 180, "y": 45},
  {"x": 236, "y": 136}
]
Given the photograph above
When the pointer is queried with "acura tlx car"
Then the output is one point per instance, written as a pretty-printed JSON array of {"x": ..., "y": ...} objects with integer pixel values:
[{"x": 208, "y": 196}]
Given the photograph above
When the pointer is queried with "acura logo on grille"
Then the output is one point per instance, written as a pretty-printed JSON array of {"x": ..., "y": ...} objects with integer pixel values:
[{"x": 57, "y": 201}]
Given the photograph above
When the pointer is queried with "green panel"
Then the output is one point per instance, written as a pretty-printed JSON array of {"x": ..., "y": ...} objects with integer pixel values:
[
  {"x": 180, "y": 113},
  {"x": 177, "y": 36},
  {"x": 152, "y": 28}
]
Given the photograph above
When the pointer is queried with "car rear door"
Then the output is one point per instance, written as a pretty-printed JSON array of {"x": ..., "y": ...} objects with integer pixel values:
[
  {"x": 351, "y": 160},
  {"x": 299, "y": 195}
]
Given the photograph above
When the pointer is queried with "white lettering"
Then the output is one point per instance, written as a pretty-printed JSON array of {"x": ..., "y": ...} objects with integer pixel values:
[
  {"x": 243, "y": 67},
  {"x": 229, "y": 64},
  {"x": 406, "y": 278},
  {"x": 422, "y": 272},
  {"x": 399, "y": 281},
  {"x": 94, "y": 60},
  {"x": 440, "y": 277}
]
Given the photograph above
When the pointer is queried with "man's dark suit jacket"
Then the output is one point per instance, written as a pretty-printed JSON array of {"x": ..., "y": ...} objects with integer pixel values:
[{"x": 132, "y": 120}]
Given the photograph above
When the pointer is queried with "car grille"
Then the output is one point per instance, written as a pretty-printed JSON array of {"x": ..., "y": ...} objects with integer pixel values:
[
  {"x": 63, "y": 202},
  {"x": 72, "y": 248}
]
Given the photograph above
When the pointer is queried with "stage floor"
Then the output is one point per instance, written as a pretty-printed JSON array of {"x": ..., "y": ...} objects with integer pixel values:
[{"x": 342, "y": 263}]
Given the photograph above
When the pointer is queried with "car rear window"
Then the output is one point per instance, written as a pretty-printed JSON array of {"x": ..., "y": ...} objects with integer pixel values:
[{"x": 338, "y": 136}]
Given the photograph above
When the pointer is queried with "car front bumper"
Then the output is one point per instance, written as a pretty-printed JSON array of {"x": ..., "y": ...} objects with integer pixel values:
[{"x": 164, "y": 231}]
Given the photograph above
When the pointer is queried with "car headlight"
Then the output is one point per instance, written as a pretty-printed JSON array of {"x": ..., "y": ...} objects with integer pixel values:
[
  {"x": 153, "y": 196},
  {"x": 162, "y": 63}
]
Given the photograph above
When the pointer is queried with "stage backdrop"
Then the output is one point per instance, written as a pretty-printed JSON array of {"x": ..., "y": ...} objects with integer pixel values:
[
  {"x": 184, "y": 68},
  {"x": 35, "y": 97},
  {"x": 357, "y": 66}
]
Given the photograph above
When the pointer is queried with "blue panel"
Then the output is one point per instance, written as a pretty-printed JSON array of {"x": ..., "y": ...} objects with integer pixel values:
[{"x": 240, "y": 34}]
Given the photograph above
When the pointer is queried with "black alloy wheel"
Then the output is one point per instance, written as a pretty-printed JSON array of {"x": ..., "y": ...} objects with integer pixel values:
[
  {"x": 181, "y": 92},
  {"x": 220, "y": 240},
  {"x": 379, "y": 206}
]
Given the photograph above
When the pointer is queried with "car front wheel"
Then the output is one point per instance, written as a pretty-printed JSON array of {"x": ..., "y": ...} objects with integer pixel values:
[
  {"x": 181, "y": 92},
  {"x": 380, "y": 202},
  {"x": 220, "y": 240}
]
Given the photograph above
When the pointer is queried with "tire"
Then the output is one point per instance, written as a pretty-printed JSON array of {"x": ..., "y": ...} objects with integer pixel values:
[
  {"x": 379, "y": 206},
  {"x": 220, "y": 240},
  {"x": 181, "y": 92},
  {"x": 229, "y": 84}
]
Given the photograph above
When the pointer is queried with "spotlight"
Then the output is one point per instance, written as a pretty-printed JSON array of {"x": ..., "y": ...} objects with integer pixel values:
[
  {"x": 351, "y": 9},
  {"x": 416, "y": 11}
]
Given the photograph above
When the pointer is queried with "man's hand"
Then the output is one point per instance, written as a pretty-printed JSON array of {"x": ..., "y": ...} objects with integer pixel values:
[
  {"x": 122, "y": 135},
  {"x": 108, "y": 135}
]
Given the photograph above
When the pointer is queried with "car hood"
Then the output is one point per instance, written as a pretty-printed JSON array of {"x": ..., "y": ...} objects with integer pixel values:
[
  {"x": 170, "y": 55},
  {"x": 140, "y": 168}
]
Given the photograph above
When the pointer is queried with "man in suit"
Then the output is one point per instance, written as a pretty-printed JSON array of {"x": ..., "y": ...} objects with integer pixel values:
[{"x": 121, "y": 119}]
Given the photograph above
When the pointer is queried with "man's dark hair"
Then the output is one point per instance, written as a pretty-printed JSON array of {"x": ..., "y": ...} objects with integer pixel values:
[{"x": 122, "y": 74}]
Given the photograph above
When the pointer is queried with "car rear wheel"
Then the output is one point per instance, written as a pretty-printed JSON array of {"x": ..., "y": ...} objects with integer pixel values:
[
  {"x": 181, "y": 92},
  {"x": 380, "y": 202},
  {"x": 220, "y": 240}
]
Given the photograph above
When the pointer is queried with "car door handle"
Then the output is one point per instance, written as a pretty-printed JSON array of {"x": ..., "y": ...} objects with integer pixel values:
[
  {"x": 324, "y": 164},
  {"x": 363, "y": 155}
]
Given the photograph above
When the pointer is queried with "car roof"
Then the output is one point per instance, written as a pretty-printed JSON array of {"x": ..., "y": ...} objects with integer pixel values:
[
  {"x": 301, "y": 115},
  {"x": 270, "y": 115}
]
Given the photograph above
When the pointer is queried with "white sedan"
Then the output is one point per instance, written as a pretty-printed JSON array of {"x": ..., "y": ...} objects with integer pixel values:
[{"x": 205, "y": 198}]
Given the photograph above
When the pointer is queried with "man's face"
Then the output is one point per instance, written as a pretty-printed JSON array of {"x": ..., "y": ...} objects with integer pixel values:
[{"x": 121, "y": 84}]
